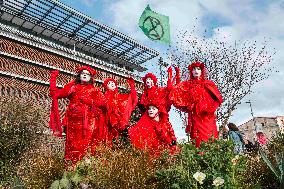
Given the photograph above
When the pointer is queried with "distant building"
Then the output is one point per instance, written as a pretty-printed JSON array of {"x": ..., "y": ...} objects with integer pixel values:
[{"x": 268, "y": 125}]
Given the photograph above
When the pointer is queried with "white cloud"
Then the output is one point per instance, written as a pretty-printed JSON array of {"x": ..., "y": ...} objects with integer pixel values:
[
  {"x": 177, "y": 125},
  {"x": 89, "y": 3},
  {"x": 226, "y": 33}
]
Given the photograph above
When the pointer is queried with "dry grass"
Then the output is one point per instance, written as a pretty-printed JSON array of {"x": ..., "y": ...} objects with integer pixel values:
[
  {"x": 27, "y": 154},
  {"x": 121, "y": 168},
  {"x": 40, "y": 166}
]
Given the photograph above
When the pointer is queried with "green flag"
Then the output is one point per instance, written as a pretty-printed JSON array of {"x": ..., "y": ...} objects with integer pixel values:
[{"x": 155, "y": 26}]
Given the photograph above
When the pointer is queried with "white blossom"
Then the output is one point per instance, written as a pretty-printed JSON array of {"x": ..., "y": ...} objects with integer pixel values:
[
  {"x": 199, "y": 176},
  {"x": 218, "y": 181},
  {"x": 235, "y": 159},
  {"x": 87, "y": 160}
]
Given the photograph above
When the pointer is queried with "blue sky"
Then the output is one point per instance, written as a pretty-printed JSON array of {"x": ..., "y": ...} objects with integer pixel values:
[{"x": 237, "y": 20}]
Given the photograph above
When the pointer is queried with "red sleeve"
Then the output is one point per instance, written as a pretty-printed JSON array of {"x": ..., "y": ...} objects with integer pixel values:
[
  {"x": 177, "y": 77},
  {"x": 214, "y": 92},
  {"x": 165, "y": 132},
  {"x": 170, "y": 75},
  {"x": 179, "y": 97},
  {"x": 52, "y": 86},
  {"x": 133, "y": 94},
  {"x": 54, "y": 121},
  {"x": 142, "y": 103},
  {"x": 133, "y": 91},
  {"x": 211, "y": 100},
  {"x": 99, "y": 99},
  {"x": 131, "y": 104},
  {"x": 60, "y": 93}
]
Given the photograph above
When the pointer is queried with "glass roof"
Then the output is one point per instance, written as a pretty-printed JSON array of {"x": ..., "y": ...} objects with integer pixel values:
[{"x": 66, "y": 25}]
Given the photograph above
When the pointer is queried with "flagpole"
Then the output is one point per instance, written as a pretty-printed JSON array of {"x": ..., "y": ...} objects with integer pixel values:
[
  {"x": 170, "y": 58},
  {"x": 163, "y": 65}
]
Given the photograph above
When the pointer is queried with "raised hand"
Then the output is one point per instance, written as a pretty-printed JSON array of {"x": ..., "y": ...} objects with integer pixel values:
[
  {"x": 54, "y": 73},
  {"x": 177, "y": 77},
  {"x": 131, "y": 82},
  {"x": 170, "y": 70},
  {"x": 177, "y": 69}
]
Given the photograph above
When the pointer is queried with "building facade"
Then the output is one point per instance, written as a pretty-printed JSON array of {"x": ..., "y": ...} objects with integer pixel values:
[
  {"x": 41, "y": 35},
  {"x": 267, "y": 125}
]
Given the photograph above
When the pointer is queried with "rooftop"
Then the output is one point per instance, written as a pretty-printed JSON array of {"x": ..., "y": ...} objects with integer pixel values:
[
  {"x": 65, "y": 25},
  {"x": 259, "y": 117}
]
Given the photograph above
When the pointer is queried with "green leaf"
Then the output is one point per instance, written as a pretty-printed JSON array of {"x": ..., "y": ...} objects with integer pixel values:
[
  {"x": 55, "y": 185},
  {"x": 257, "y": 186},
  {"x": 76, "y": 178},
  {"x": 176, "y": 186},
  {"x": 65, "y": 183},
  {"x": 17, "y": 184},
  {"x": 281, "y": 167},
  {"x": 268, "y": 163},
  {"x": 65, "y": 175}
]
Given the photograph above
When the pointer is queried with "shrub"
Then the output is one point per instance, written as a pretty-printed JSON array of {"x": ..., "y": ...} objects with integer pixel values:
[
  {"x": 27, "y": 154},
  {"x": 131, "y": 168},
  {"x": 114, "y": 168},
  {"x": 214, "y": 164},
  {"x": 258, "y": 171},
  {"x": 42, "y": 164},
  {"x": 20, "y": 123}
]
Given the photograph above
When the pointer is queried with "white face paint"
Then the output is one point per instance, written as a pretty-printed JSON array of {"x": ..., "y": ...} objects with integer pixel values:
[
  {"x": 196, "y": 72},
  {"x": 111, "y": 85},
  {"x": 152, "y": 111},
  {"x": 149, "y": 82},
  {"x": 85, "y": 76}
]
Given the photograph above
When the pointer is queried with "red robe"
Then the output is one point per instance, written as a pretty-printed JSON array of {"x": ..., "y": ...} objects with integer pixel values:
[
  {"x": 157, "y": 94},
  {"x": 84, "y": 118},
  {"x": 150, "y": 135},
  {"x": 154, "y": 94},
  {"x": 200, "y": 99},
  {"x": 159, "y": 97},
  {"x": 120, "y": 107}
]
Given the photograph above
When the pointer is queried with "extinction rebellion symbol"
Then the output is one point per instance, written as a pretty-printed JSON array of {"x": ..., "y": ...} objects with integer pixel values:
[{"x": 155, "y": 28}]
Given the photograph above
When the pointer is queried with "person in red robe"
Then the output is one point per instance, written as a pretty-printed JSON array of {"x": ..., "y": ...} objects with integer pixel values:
[
  {"x": 152, "y": 91},
  {"x": 153, "y": 132},
  {"x": 199, "y": 98},
  {"x": 84, "y": 119},
  {"x": 119, "y": 106}
]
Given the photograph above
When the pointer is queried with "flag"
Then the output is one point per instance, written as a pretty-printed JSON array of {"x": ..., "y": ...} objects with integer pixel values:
[{"x": 155, "y": 26}]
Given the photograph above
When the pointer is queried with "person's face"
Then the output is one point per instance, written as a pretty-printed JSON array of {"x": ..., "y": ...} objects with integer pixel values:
[
  {"x": 196, "y": 72},
  {"x": 152, "y": 111},
  {"x": 85, "y": 76},
  {"x": 111, "y": 85},
  {"x": 149, "y": 82}
]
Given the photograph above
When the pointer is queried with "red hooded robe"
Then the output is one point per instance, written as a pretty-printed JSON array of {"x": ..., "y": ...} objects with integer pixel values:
[
  {"x": 150, "y": 135},
  {"x": 119, "y": 107},
  {"x": 150, "y": 95},
  {"x": 199, "y": 98},
  {"x": 84, "y": 118},
  {"x": 147, "y": 133}
]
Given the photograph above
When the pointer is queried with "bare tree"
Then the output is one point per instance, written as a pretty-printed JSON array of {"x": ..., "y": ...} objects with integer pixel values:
[{"x": 235, "y": 68}]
